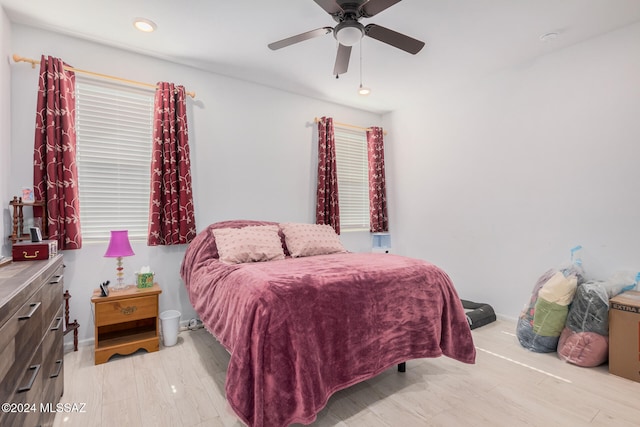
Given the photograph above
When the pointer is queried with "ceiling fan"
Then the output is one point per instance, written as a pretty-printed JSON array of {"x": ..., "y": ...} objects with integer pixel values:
[{"x": 350, "y": 31}]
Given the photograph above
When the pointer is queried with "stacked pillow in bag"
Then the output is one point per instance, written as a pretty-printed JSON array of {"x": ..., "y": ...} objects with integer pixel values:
[
  {"x": 542, "y": 321},
  {"x": 585, "y": 338}
]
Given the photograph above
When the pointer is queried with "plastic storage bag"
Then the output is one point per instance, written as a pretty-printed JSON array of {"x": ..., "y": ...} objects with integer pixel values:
[
  {"x": 541, "y": 322},
  {"x": 585, "y": 338}
]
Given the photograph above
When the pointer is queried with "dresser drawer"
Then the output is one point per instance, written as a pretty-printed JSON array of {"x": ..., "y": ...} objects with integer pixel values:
[
  {"x": 19, "y": 281},
  {"x": 19, "y": 337},
  {"x": 52, "y": 298},
  {"x": 126, "y": 310},
  {"x": 52, "y": 366},
  {"x": 52, "y": 345},
  {"x": 27, "y": 389}
]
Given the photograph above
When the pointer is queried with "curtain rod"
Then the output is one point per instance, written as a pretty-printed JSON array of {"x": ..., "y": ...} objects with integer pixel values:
[
  {"x": 33, "y": 62},
  {"x": 346, "y": 125}
]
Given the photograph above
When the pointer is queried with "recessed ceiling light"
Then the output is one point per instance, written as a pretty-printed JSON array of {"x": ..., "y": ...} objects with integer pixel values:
[
  {"x": 549, "y": 37},
  {"x": 144, "y": 25},
  {"x": 363, "y": 90}
]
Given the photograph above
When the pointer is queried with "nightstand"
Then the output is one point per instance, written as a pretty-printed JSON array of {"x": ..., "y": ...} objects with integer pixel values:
[{"x": 126, "y": 321}]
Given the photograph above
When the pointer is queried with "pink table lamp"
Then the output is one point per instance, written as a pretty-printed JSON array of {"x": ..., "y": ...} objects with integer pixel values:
[{"x": 119, "y": 247}]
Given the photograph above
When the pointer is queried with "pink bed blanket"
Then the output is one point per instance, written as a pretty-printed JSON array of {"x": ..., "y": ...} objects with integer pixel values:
[{"x": 298, "y": 330}]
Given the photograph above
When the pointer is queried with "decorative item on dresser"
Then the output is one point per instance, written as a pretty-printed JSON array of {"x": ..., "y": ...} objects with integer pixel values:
[
  {"x": 18, "y": 233},
  {"x": 33, "y": 251},
  {"x": 31, "y": 340},
  {"x": 125, "y": 321}
]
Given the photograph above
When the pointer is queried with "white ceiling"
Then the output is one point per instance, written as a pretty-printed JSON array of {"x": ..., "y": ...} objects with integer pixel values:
[{"x": 465, "y": 39}]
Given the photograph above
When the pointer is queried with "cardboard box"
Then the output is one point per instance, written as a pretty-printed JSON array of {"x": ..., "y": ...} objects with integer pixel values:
[
  {"x": 624, "y": 335},
  {"x": 30, "y": 251}
]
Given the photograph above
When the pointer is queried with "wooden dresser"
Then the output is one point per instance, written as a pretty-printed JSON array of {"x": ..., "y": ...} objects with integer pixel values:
[{"x": 31, "y": 341}]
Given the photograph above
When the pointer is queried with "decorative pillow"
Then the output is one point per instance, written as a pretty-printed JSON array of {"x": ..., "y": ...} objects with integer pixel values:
[
  {"x": 248, "y": 244},
  {"x": 238, "y": 223},
  {"x": 311, "y": 239}
]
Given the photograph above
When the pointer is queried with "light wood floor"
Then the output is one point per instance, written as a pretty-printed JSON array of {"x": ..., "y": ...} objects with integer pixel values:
[{"x": 508, "y": 386}]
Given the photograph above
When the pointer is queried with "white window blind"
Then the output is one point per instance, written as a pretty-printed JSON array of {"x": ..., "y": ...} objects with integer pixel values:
[
  {"x": 114, "y": 125},
  {"x": 353, "y": 178}
]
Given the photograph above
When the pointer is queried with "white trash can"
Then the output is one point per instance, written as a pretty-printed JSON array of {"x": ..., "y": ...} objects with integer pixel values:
[{"x": 170, "y": 325}]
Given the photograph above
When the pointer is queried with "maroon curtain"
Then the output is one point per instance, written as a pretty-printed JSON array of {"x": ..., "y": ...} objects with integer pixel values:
[
  {"x": 171, "y": 213},
  {"x": 55, "y": 176},
  {"x": 327, "y": 210},
  {"x": 378, "y": 219}
]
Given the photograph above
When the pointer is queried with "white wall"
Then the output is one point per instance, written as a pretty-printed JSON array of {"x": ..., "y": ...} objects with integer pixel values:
[
  {"x": 5, "y": 131},
  {"x": 495, "y": 182},
  {"x": 253, "y": 155}
]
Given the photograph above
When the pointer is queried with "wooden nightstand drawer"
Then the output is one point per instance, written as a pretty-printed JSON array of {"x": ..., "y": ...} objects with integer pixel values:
[{"x": 126, "y": 310}]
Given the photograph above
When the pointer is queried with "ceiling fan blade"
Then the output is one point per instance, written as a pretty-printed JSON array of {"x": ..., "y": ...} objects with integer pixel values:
[
  {"x": 373, "y": 7},
  {"x": 393, "y": 38},
  {"x": 329, "y": 6},
  {"x": 299, "y": 38},
  {"x": 342, "y": 60}
]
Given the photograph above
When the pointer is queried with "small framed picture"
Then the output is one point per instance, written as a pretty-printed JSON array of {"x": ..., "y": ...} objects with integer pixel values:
[
  {"x": 28, "y": 196},
  {"x": 36, "y": 235}
]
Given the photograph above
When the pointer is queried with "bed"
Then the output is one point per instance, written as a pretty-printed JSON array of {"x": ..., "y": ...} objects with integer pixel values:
[{"x": 304, "y": 324}]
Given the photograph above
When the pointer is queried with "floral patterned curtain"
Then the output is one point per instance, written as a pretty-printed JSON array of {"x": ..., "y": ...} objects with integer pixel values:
[
  {"x": 55, "y": 175},
  {"x": 378, "y": 219},
  {"x": 327, "y": 209},
  {"x": 171, "y": 213}
]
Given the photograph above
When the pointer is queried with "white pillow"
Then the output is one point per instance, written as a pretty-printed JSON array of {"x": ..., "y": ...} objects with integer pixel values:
[
  {"x": 311, "y": 239},
  {"x": 248, "y": 244}
]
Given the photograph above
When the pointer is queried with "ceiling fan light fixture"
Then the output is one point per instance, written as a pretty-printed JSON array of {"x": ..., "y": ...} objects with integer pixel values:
[
  {"x": 144, "y": 25},
  {"x": 348, "y": 33}
]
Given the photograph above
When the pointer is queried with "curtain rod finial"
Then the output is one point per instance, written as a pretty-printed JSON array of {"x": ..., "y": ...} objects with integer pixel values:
[{"x": 18, "y": 58}]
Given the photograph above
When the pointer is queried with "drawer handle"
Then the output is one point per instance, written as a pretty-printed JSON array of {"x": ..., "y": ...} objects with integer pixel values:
[
  {"x": 55, "y": 328},
  {"x": 57, "y": 279},
  {"x": 59, "y": 363},
  {"x": 35, "y": 255},
  {"x": 128, "y": 310},
  {"x": 36, "y": 369},
  {"x": 34, "y": 308}
]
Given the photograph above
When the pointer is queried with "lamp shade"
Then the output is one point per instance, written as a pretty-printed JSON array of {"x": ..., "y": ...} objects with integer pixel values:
[{"x": 119, "y": 244}]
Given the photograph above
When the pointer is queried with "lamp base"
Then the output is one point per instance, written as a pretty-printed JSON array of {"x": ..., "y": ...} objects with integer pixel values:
[{"x": 119, "y": 274}]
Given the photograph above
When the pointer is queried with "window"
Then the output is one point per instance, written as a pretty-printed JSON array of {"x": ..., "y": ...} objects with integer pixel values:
[
  {"x": 353, "y": 178},
  {"x": 114, "y": 125}
]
